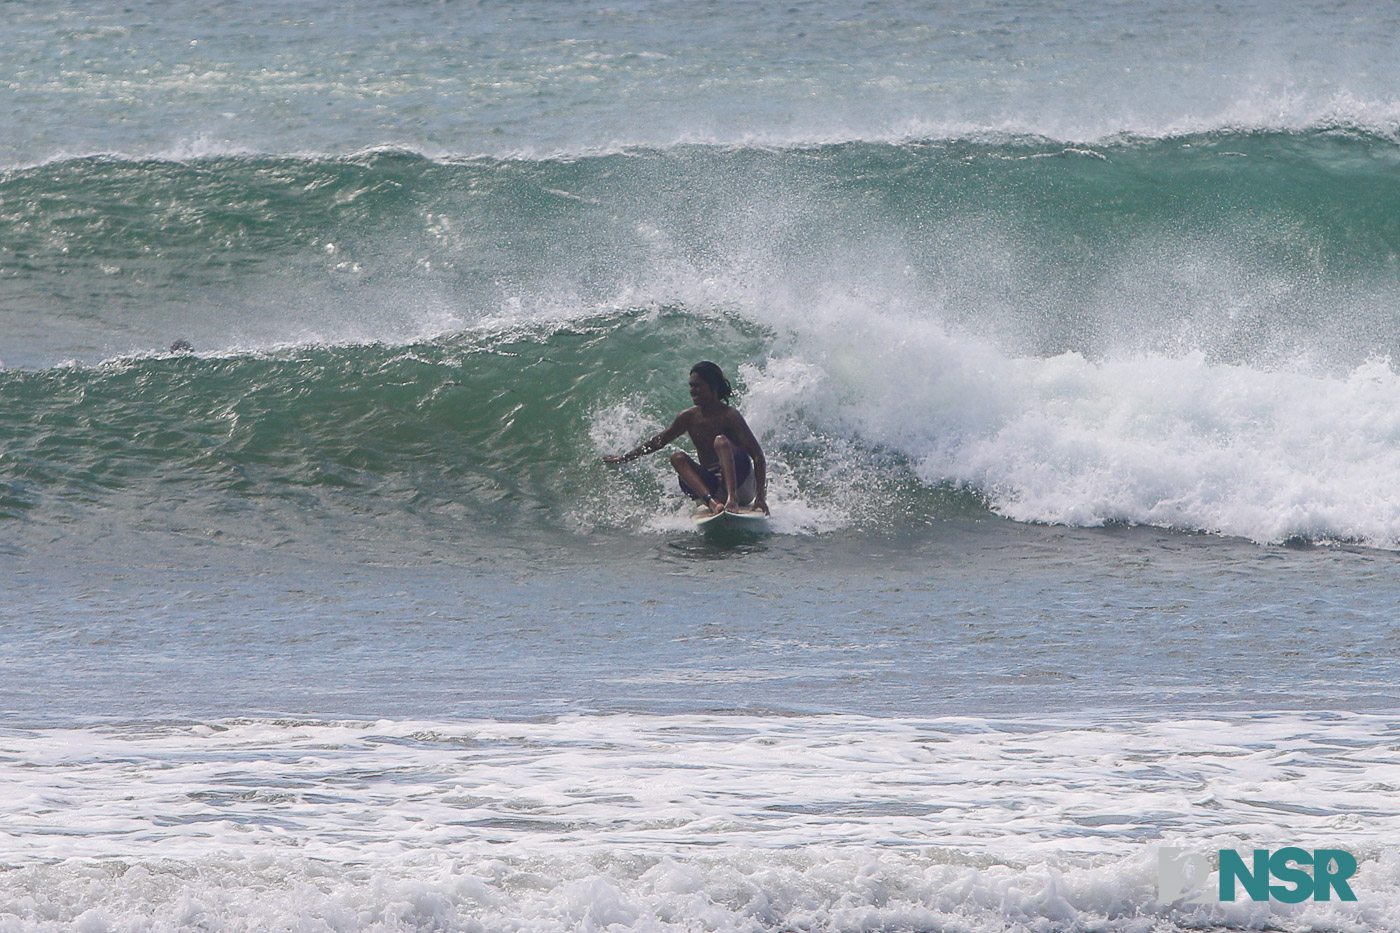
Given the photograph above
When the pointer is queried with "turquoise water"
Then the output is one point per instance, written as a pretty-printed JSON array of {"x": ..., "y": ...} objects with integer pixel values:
[{"x": 1068, "y": 332}]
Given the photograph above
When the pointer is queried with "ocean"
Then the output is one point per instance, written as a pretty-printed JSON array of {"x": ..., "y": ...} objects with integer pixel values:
[{"x": 1070, "y": 334}]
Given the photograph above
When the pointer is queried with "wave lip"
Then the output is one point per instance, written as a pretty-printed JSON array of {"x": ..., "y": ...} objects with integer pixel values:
[{"x": 1341, "y": 115}]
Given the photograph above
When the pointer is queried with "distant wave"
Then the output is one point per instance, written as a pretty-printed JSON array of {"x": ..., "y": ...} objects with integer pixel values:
[
  {"x": 1334, "y": 184},
  {"x": 1252, "y": 247},
  {"x": 1282, "y": 114}
]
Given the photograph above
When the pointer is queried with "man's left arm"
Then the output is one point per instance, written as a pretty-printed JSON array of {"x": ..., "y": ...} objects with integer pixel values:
[{"x": 746, "y": 440}]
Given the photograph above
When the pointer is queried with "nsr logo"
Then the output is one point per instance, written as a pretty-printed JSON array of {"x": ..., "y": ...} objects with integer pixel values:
[{"x": 1181, "y": 873}]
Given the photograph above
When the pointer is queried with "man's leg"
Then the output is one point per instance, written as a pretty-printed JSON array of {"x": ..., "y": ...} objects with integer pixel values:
[
  {"x": 725, "y": 448},
  {"x": 690, "y": 473}
]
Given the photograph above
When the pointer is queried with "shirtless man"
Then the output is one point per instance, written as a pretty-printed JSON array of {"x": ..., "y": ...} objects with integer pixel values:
[{"x": 731, "y": 462}]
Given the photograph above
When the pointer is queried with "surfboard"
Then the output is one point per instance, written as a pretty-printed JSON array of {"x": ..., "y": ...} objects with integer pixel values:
[{"x": 748, "y": 521}]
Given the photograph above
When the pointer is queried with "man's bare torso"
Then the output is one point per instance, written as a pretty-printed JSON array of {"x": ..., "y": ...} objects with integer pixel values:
[{"x": 703, "y": 430}]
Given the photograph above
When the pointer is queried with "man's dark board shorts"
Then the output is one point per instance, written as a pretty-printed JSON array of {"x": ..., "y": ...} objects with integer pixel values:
[{"x": 714, "y": 477}]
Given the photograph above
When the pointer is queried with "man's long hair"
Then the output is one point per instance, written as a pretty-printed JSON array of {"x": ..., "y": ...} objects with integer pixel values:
[{"x": 714, "y": 377}]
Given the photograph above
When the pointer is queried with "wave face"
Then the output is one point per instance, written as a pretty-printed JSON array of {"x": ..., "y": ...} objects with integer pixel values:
[
  {"x": 491, "y": 430},
  {"x": 1192, "y": 332}
]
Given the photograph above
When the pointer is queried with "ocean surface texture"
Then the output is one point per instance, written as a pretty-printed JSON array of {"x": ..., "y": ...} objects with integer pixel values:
[{"x": 1071, "y": 332}]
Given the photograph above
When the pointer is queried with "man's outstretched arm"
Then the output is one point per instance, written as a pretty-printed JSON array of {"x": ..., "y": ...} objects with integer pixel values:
[{"x": 653, "y": 444}]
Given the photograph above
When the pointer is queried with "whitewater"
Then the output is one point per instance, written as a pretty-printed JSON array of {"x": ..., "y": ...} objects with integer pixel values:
[{"x": 1069, "y": 334}]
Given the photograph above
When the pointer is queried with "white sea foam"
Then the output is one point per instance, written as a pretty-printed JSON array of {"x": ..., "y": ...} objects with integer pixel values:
[
  {"x": 665, "y": 822},
  {"x": 1171, "y": 440}
]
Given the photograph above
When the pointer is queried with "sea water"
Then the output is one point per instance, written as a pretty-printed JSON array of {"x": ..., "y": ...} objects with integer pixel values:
[{"x": 1068, "y": 331}]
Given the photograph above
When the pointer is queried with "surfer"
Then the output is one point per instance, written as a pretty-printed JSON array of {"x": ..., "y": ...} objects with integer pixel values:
[{"x": 732, "y": 472}]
